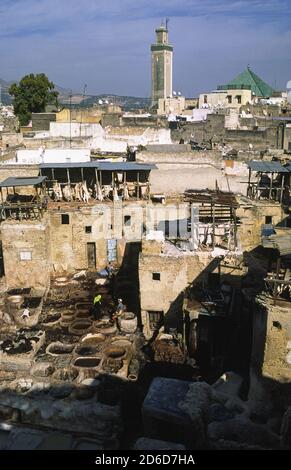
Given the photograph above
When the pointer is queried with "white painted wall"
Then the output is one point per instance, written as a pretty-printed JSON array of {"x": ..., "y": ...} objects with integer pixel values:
[
  {"x": 52, "y": 156},
  {"x": 75, "y": 129}
]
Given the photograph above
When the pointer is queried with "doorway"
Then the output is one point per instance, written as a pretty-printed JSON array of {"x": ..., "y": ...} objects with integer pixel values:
[{"x": 91, "y": 255}]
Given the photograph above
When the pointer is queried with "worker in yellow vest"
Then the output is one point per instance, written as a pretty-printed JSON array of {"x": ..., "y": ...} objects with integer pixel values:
[{"x": 97, "y": 306}]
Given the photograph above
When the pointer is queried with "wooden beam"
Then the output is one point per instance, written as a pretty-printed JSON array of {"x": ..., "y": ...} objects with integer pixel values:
[
  {"x": 271, "y": 186},
  {"x": 213, "y": 226},
  {"x": 282, "y": 187},
  {"x": 138, "y": 185},
  {"x": 249, "y": 184}
]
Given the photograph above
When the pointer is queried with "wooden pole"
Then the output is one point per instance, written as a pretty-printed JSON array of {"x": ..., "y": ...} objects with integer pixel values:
[
  {"x": 138, "y": 185},
  {"x": 271, "y": 186},
  {"x": 282, "y": 187},
  {"x": 275, "y": 292},
  {"x": 249, "y": 184},
  {"x": 213, "y": 226}
]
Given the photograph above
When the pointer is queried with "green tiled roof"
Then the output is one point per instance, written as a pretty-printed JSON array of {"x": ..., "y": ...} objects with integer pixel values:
[{"x": 248, "y": 79}]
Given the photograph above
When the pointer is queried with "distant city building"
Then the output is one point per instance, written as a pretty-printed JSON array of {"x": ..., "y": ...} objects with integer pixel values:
[
  {"x": 240, "y": 91},
  {"x": 162, "y": 66},
  {"x": 249, "y": 80}
]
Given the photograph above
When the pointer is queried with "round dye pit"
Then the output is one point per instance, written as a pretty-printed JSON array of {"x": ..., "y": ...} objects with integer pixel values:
[
  {"x": 80, "y": 327},
  {"x": 15, "y": 299},
  {"x": 81, "y": 315},
  {"x": 58, "y": 348},
  {"x": 87, "y": 362},
  {"x": 115, "y": 352},
  {"x": 91, "y": 339},
  {"x": 85, "y": 350}
]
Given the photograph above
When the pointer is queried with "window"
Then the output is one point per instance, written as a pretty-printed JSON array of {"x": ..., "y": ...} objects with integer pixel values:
[
  {"x": 155, "y": 319},
  {"x": 127, "y": 220},
  {"x": 25, "y": 255},
  {"x": 156, "y": 276},
  {"x": 229, "y": 99},
  {"x": 238, "y": 97},
  {"x": 65, "y": 219},
  {"x": 205, "y": 99},
  {"x": 112, "y": 250},
  {"x": 268, "y": 219},
  {"x": 88, "y": 229}
]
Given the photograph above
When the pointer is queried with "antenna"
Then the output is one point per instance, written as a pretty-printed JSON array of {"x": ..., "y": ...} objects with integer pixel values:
[
  {"x": 84, "y": 94},
  {"x": 167, "y": 22},
  {"x": 70, "y": 97}
]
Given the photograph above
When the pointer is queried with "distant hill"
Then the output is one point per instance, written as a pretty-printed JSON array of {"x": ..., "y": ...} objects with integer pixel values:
[
  {"x": 5, "y": 98},
  {"x": 127, "y": 103}
]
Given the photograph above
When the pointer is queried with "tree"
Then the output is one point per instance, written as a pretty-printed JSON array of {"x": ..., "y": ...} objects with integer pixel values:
[{"x": 32, "y": 95}]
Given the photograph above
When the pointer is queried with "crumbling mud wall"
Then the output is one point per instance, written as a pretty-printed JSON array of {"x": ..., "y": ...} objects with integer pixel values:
[
  {"x": 175, "y": 274},
  {"x": 26, "y": 253},
  {"x": 271, "y": 353}
]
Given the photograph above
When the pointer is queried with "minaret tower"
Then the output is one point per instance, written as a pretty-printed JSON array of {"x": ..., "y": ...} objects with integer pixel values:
[{"x": 162, "y": 66}]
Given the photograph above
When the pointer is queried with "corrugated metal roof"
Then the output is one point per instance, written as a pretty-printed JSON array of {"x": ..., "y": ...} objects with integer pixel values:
[
  {"x": 29, "y": 181},
  {"x": 267, "y": 167},
  {"x": 126, "y": 166},
  {"x": 282, "y": 243},
  {"x": 288, "y": 166},
  {"x": 103, "y": 166}
]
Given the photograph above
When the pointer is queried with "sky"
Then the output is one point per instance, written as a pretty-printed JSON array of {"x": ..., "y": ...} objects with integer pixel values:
[{"x": 105, "y": 44}]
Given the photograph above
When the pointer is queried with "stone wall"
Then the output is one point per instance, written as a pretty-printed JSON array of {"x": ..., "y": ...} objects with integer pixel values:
[
  {"x": 175, "y": 274},
  {"x": 252, "y": 216},
  {"x": 29, "y": 239},
  {"x": 11, "y": 139},
  {"x": 213, "y": 129},
  {"x": 6, "y": 171},
  {"x": 41, "y": 121},
  {"x": 271, "y": 353}
]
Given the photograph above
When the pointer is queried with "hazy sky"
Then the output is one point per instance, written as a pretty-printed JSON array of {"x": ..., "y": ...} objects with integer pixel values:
[{"x": 106, "y": 43}]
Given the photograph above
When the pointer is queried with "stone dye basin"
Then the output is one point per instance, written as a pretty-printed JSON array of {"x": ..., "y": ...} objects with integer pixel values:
[
  {"x": 83, "y": 306},
  {"x": 31, "y": 302},
  {"x": 85, "y": 350},
  {"x": 61, "y": 281},
  {"x": 67, "y": 318},
  {"x": 105, "y": 328},
  {"x": 80, "y": 327},
  {"x": 115, "y": 352},
  {"x": 92, "y": 339},
  {"x": 15, "y": 300},
  {"x": 57, "y": 348},
  {"x": 82, "y": 314},
  {"x": 117, "y": 357},
  {"x": 87, "y": 362},
  {"x": 66, "y": 374}
]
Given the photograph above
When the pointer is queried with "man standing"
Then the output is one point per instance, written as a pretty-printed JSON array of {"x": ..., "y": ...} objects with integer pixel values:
[{"x": 120, "y": 309}]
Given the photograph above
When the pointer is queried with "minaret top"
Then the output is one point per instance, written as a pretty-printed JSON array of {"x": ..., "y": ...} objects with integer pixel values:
[{"x": 162, "y": 35}]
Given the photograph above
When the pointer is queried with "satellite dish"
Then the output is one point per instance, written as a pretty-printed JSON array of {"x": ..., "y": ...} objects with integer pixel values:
[
  {"x": 179, "y": 93},
  {"x": 106, "y": 102},
  {"x": 100, "y": 102},
  {"x": 174, "y": 93}
]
